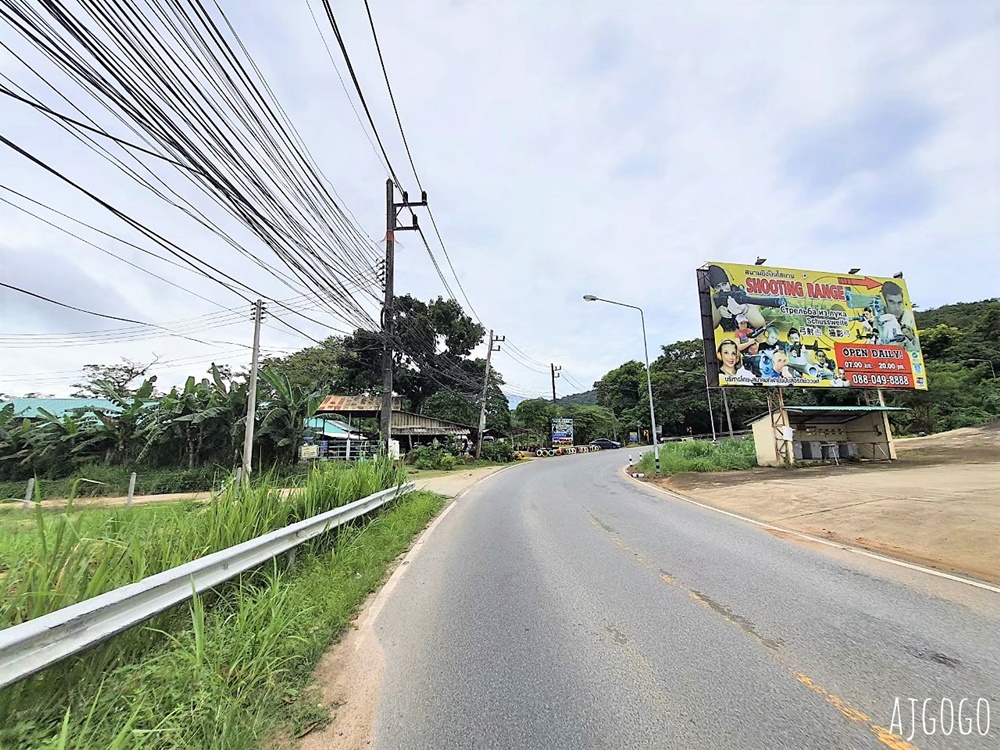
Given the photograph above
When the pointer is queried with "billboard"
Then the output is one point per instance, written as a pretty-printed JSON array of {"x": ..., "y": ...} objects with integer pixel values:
[
  {"x": 782, "y": 326},
  {"x": 562, "y": 432}
]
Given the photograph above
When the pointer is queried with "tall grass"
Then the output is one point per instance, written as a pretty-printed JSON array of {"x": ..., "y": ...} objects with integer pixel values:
[
  {"x": 73, "y": 560},
  {"x": 701, "y": 455},
  {"x": 112, "y": 481}
]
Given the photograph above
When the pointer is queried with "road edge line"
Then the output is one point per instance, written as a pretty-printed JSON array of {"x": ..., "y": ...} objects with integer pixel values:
[{"x": 836, "y": 545}]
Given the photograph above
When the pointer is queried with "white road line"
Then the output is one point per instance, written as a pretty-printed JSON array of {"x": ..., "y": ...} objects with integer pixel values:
[
  {"x": 383, "y": 595},
  {"x": 827, "y": 542}
]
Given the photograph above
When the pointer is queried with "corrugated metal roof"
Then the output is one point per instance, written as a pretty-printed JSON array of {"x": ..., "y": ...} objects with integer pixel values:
[
  {"x": 355, "y": 404},
  {"x": 28, "y": 407},
  {"x": 845, "y": 408},
  {"x": 334, "y": 428}
]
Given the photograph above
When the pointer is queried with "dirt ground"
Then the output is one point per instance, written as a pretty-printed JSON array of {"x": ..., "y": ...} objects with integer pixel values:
[{"x": 937, "y": 505}]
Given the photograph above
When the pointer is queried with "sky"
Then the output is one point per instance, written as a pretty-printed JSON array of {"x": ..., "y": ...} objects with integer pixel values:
[{"x": 567, "y": 149}]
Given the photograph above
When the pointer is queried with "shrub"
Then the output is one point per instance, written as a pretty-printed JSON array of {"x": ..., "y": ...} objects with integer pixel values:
[
  {"x": 447, "y": 462},
  {"x": 426, "y": 457},
  {"x": 500, "y": 452}
]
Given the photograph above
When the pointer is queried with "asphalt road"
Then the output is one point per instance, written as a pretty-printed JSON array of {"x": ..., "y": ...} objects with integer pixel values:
[{"x": 560, "y": 605}]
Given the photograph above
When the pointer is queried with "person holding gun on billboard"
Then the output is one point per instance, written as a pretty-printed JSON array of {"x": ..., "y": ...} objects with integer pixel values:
[
  {"x": 730, "y": 301},
  {"x": 896, "y": 325}
]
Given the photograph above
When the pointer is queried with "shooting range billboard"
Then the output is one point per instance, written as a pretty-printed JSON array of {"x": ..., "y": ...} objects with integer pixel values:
[
  {"x": 782, "y": 326},
  {"x": 562, "y": 432}
]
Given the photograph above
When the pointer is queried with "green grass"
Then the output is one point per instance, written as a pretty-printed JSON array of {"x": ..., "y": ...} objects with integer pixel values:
[
  {"x": 225, "y": 672},
  {"x": 701, "y": 455},
  {"x": 112, "y": 481},
  {"x": 413, "y": 473}
]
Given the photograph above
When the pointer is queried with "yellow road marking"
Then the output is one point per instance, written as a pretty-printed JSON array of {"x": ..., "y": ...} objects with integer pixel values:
[{"x": 883, "y": 735}]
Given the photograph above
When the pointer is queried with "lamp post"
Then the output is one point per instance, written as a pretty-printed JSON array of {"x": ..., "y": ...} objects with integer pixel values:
[
  {"x": 989, "y": 362},
  {"x": 649, "y": 379}
]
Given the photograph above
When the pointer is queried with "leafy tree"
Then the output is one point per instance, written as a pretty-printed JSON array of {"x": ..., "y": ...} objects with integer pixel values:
[
  {"x": 284, "y": 421},
  {"x": 535, "y": 415},
  {"x": 431, "y": 343},
  {"x": 315, "y": 367},
  {"x": 452, "y": 407},
  {"x": 118, "y": 377},
  {"x": 622, "y": 389},
  {"x": 117, "y": 433},
  {"x": 590, "y": 422}
]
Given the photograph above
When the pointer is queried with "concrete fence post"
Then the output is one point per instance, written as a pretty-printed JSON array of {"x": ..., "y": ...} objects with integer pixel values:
[
  {"x": 131, "y": 490},
  {"x": 28, "y": 494}
]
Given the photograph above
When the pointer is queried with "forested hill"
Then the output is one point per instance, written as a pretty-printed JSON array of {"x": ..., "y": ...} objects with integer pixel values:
[
  {"x": 587, "y": 398},
  {"x": 961, "y": 315}
]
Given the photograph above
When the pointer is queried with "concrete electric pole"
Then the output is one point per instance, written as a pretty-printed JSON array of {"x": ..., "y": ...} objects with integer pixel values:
[
  {"x": 486, "y": 382},
  {"x": 388, "y": 316},
  {"x": 258, "y": 314},
  {"x": 555, "y": 374}
]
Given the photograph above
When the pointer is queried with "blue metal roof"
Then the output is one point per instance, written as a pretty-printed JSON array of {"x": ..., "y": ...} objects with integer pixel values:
[
  {"x": 27, "y": 408},
  {"x": 334, "y": 428}
]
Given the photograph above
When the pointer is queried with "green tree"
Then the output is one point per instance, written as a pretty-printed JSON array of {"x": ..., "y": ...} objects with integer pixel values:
[
  {"x": 623, "y": 388},
  {"x": 431, "y": 343},
  {"x": 284, "y": 421},
  {"x": 535, "y": 415},
  {"x": 318, "y": 367},
  {"x": 118, "y": 377}
]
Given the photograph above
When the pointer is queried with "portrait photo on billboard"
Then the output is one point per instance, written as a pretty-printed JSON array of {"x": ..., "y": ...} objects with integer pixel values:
[{"x": 787, "y": 327}]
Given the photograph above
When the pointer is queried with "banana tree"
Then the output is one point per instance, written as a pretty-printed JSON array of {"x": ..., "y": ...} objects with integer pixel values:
[
  {"x": 119, "y": 434},
  {"x": 284, "y": 421}
]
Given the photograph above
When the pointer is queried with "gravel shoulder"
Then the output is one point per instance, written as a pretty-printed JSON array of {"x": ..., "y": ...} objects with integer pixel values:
[{"x": 937, "y": 505}]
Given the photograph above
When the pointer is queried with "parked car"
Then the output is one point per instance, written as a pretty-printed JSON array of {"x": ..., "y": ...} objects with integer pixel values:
[{"x": 605, "y": 443}]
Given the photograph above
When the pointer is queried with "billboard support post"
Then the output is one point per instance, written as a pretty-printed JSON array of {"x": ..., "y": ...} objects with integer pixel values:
[
  {"x": 711, "y": 416},
  {"x": 729, "y": 420}
]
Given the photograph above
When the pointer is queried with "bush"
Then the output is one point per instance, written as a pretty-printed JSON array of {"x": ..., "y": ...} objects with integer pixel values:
[
  {"x": 427, "y": 457},
  {"x": 499, "y": 452},
  {"x": 701, "y": 455},
  {"x": 447, "y": 462}
]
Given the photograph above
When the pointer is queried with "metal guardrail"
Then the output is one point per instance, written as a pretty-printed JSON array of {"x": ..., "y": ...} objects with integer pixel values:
[{"x": 42, "y": 641}]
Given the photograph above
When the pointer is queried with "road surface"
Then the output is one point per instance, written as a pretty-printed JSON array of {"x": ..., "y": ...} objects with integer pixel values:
[{"x": 562, "y": 605}]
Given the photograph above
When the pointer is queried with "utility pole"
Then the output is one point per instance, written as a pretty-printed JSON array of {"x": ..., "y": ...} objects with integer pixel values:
[
  {"x": 258, "y": 314},
  {"x": 391, "y": 227},
  {"x": 486, "y": 382},
  {"x": 555, "y": 374}
]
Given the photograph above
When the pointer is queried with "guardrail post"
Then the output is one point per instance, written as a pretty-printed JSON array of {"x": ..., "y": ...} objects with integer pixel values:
[
  {"x": 131, "y": 490},
  {"x": 28, "y": 493}
]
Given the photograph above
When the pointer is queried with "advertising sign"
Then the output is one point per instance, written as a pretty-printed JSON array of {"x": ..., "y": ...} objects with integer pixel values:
[
  {"x": 562, "y": 432},
  {"x": 782, "y": 326}
]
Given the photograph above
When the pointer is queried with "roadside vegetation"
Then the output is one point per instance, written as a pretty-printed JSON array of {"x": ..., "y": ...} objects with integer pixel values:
[
  {"x": 112, "y": 481},
  {"x": 224, "y": 670},
  {"x": 700, "y": 455}
]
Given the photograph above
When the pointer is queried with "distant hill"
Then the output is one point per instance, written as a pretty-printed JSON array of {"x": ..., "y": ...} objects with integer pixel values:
[
  {"x": 961, "y": 315},
  {"x": 587, "y": 398}
]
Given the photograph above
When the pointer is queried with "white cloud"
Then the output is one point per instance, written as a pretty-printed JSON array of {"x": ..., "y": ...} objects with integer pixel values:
[{"x": 572, "y": 148}]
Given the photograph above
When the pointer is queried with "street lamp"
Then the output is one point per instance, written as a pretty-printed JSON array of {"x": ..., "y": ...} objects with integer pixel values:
[
  {"x": 649, "y": 380},
  {"x": 989, "y": 362}
]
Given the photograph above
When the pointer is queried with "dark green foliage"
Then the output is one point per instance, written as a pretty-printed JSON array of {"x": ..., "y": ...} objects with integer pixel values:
[
  {"x": 498, "y": 451},
  {"x": 587, "y": 398}
]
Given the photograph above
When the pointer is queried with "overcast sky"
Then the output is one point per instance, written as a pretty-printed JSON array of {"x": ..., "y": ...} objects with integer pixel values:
[{"x": 568, "y": 148}]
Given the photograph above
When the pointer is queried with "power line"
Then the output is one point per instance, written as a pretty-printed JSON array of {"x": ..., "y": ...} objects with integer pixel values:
[{"x": 406, "y": 145}]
